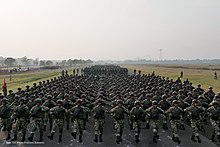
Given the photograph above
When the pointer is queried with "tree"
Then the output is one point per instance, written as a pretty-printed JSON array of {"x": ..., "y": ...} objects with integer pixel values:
[
  {"x": 42, "y": 63},
  {"x": 49, "y": 63},
  {"x": 70, "y": 62},
  {"x": 24, "y": 60},
  {"x": 9, "y": 61},
  {"x": 63, "y": 62},
  {"x": 36, "y": 61}
]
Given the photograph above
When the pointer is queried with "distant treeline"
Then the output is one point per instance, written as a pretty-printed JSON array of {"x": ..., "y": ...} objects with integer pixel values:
[
  {"x": 177, "y": 61},
  {"x": 26, "y": 62}
]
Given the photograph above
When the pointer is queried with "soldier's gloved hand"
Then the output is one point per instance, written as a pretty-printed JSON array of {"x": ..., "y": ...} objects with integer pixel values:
[
  {"x": 147, "y": 126},
  {"x": 165, "y": 126}
]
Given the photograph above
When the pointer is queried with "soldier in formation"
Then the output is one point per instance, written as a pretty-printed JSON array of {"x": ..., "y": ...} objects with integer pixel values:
[{"x": 109, "y": 89}]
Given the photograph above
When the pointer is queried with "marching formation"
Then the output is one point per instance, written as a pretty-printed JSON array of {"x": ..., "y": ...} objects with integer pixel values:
[{"x": 73, "y": 100}]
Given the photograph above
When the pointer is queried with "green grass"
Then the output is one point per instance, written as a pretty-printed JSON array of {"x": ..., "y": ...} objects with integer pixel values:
[
  {"x": 24, "y": 79},
  {"x": 195, "y": 75}
]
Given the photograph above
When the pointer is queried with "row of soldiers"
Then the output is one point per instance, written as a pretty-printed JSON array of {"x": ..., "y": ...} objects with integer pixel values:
[
  {"x": 142, "y": 98},
  {"x": 105, "y": 70}
]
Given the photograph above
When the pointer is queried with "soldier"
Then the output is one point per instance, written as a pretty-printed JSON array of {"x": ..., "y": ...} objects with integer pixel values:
[
  {"x": 164, "y": 105},
  {"x": 37, "y": 114},
  {"x": 50, "y": 104},
  {"x": 130, "y": 104},
  {"x": 214, "y": 114},
  {"x": 78, "y": 123},
  {"x": 175, "y": 114},
  {"x": 215, "y": 75},
  {"x": 99, "y": 116},
  {"x": 5, "y": 116},
  {"x": 67, "y": 104},
  {"x": 20, "y": 118},
  {"x": 138, "y": 114},
  {"x": 194, "y": 112},
  {"x": 118, "y": 114},
  {"x": 153, "y": 114},
  {"x": 58, "y": 113}
]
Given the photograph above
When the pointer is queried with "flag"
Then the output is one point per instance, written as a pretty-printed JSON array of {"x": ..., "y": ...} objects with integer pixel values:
[{"x": 4, "y": 88}]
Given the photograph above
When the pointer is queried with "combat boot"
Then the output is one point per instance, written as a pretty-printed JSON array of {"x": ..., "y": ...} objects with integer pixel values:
[
  {"x": 51, "y": 136},
  {"x": 100, "y": 137},
  {"x": 117, "y": 139},
  {"x": 218, "y": 136},
  {"x": 155, "y": 139},
  {"x": 96, "y": 138},
  {"x": 8, "y": 136},
  {"x": 213, "y": 138},
  {"x": 60, "y": 138},
  {"x": 80, "y": 138},
  {"x": 198, "y": 138},
  {"x": 41, "y": 137},
  {"x": 23, "y": 137},
  {"x": 193, "y": 138},
  {"x": 120, "y": 137},
  {"x": 178, "y": 140},
  {"x": 15, "y": 137},
  {"x": 137, "y": 139},
  {"x": 74, "y": 135},
  {"x": 31, "y": 137}
]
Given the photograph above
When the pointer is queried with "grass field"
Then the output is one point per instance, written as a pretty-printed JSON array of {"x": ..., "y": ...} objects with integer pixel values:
[
  {"x": 197, "y": 74},
  {"x": 193, "y": 73},
  {"x": 23, "y": 79}
]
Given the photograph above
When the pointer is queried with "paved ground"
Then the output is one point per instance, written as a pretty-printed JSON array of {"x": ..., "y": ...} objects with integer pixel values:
[{"x": 109, "y": 138}]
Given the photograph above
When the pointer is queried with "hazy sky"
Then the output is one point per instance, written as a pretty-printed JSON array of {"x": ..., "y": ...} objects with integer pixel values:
[{"x": 110, "y": 29}]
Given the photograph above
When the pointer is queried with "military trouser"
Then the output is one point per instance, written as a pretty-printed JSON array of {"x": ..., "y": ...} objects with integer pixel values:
[
  {"x": 130, "y": 120},
  {"x": 58, "y": 123},
  {"x": 154, "y": 125},
  {"x": 119, "y": 125},
  {"x": 175, "y": 126},
  {"x": 215, "y": 124},
  {"x": 37, "y": 124},
  {"x": 20, "y": 124},
  {"x": 78, "y": 125},
  {"x": 195, "y": 124},
  {"x": 67, "y": 119},
  {"x": 48, "y": 117},
  {"x": 164, "y": 118},
  {"x": 137, "y": 127},
  {"x": 99, "y": 126},
  {"x": 6, "y": 124}
]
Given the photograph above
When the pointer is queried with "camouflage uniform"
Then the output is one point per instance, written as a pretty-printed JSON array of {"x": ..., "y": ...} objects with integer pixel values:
[
  {"x": 78, "y": 122},
  {"x": 20, "y": 118},
  {"x": 99, "y": 116},
  {"x": 37, "y": 114},
  {"x": 130, "y": 104},
  {"x": 67, "y": 104},
  {"x": 137, "y": 113},
  {"x": 214, "y": 113},
  {"x": 50, "y": 104},
  {"x": 59, "y": 114},
  {"x": 194, "y": 112},
  {"x": 174, "y": 114},
  {"x": 5, "y": 117},
  {"x": 153, "y": 114},
  {"x": 118, "y": 114}
]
